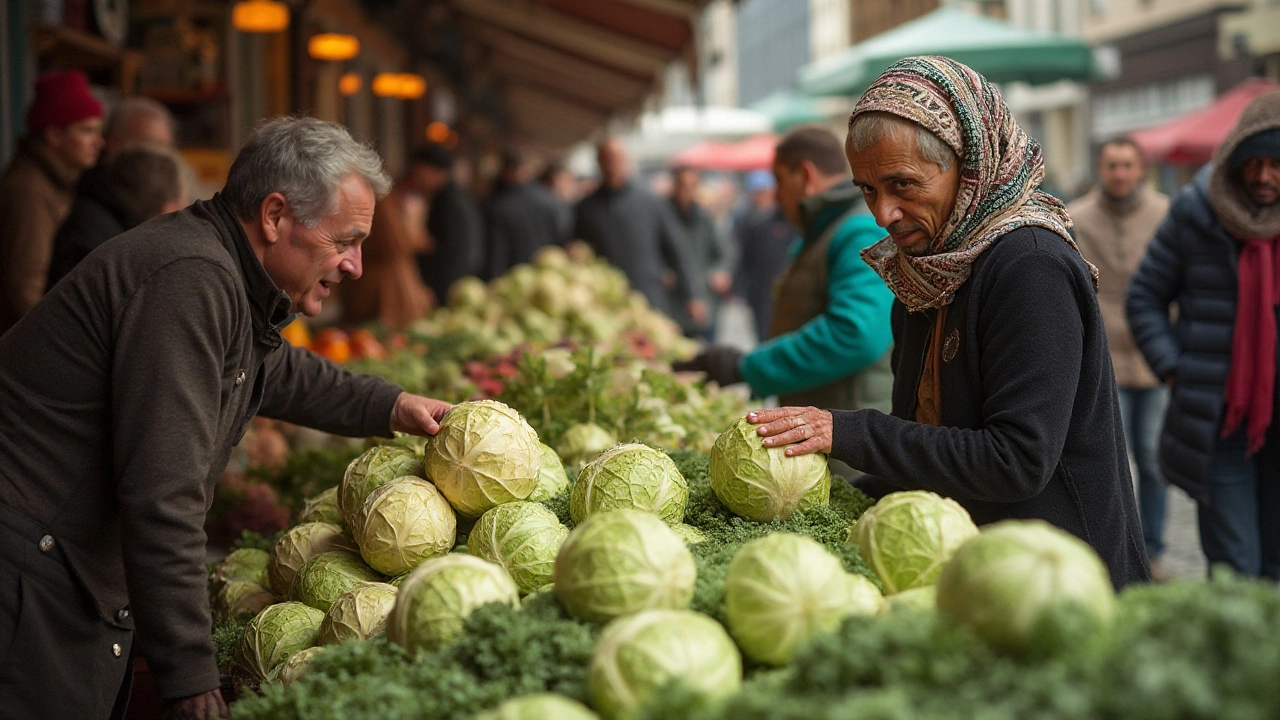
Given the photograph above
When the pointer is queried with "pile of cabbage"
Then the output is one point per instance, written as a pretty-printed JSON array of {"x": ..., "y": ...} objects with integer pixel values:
[{"x": 410, "y": 544}]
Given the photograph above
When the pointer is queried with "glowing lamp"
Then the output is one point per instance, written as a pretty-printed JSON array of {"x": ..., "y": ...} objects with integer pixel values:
[
  {"x": 349, "y": 84},
  {"x": 333, "y": 46},
  {"x": 260, "y": 16},
  {"x": 437, "y": 132}
]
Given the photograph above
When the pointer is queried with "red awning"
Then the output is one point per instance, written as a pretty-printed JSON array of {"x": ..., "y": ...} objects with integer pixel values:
[
  {"x": 754, "y": 153},
  {"x": 1192, "y": 138}
]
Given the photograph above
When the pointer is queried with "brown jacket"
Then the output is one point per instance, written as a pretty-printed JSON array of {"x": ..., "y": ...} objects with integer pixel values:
[
  {"x": 35, "y": 197},
  {"x": 390, "y": 290},
  {"x": 122, "y": 395},
  {"x": 1115, "y": 240}
]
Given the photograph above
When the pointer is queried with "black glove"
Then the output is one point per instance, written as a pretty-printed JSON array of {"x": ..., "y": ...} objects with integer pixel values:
[{"x": 719, "y": 362}]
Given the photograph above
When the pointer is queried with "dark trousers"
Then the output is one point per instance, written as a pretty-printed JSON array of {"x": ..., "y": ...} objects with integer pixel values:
[
  {"x": 1143, "y": 412},
  {"x": 1240, "y": 522},
  {"x": 58, "y": 658}
]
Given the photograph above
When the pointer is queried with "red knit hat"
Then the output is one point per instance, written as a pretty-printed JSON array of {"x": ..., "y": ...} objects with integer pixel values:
[{"x": 61, "y": 99}]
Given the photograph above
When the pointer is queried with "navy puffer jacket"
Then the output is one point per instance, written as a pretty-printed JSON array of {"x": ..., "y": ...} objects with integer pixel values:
[{"x": 1190, "y": 261}]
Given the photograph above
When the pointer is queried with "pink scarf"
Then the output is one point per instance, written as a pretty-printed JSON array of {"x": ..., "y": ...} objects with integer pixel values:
[{"x": 1251, "y": 381}]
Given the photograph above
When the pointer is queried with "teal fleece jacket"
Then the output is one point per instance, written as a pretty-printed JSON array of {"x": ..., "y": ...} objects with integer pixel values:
[{"x": 854, "y": 330}]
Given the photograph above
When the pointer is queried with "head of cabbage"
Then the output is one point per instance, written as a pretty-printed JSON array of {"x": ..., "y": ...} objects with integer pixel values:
[
  {"x": 783, "y": 590},
  {"x": 638, "y": 655},
  {"x": 296, "y": 547},
  {"x": 358, "y": 614},
  {"x": 248, "y": 564},
  {"x": 919, "y": 598},
  {"x": 297, "y": 665},
  {"x": 540, "y": 706},
  {"x": 485, "y": 454},
  {"x": 1027, "y": 587},
  {"x": 552, "y": 479},
  {"x": 323, "y": 508},
  {"x": 434, "y": 601},
  {"x": 584, "y": 442},
  {"x": 273, "y": 635},
  {"x": 630, "y": 476},
  {"x": 237, "y": 598},
  {"x": 403, "y": 523},
  {"x": 620, "y": 562},
  {"x": 328, "y": 575},
  {"x": 908, "y": 536},
  {"x": 764, "y": 484},
  {"x": 375, "y": 468},
  {"x": 522, "y": 537}
]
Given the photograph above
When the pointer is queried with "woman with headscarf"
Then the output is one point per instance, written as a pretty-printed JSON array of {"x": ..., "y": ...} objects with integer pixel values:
[{"x": 1004, "y": 396}]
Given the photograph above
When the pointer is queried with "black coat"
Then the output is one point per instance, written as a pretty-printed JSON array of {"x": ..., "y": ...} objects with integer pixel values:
[
  {"x": 522, "y": 219},
  {"x": 1190, "y": 261},
  {"x": 1030, "y": 416},
  {"x": 764, "y": 250},
  {"x": 456, "y": 227},
  {"x": 97, "y": 215}
]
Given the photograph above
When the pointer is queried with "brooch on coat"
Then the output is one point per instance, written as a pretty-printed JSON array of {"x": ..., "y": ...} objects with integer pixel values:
[{"x": 951, "y": 346}]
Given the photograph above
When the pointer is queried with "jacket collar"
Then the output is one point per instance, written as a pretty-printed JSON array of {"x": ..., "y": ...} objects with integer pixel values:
[
  {"x": 270, "y": 305},
  {"x": 818, "y": 212}
]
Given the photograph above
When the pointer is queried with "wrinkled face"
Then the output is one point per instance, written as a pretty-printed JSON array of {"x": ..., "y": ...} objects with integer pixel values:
[
  {"x": 910, "y": 197},
  {"x": 78, "y": 144},
  {"x": 686, "y": 188},
  {"x": 307, "y": 262},
  {"x": 1261, "y": 176},
  {"x": 614, "y": 166},
  {"x": 1120, "y": 169},
  {"x": 791, "y": 190}
]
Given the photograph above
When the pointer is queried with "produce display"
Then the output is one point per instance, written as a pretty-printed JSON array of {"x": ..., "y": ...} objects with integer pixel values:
[{"x": 591, "y": 536}]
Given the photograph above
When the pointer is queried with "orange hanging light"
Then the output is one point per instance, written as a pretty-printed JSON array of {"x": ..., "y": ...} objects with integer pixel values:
[
  {"x": 260, "y": 16},
  {"x": 349, "y": 84},
  {"x": 437, "y": 132},
  {"x": 333, "y": 46},
  {"x": 406, "y": 86}
]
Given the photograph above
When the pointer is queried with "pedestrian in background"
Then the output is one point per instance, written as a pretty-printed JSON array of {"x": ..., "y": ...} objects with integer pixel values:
[
  {"x": 1113, "y": 224},
  {"x": 712, "y": 254},
  {"x": 638, "y": 234},
  {"x": 137, "y": 183},
  {"x": 1217, "y": 256},
  {"x": 523, "y": 216},
  {"x": 63, "y": 140},
  {"x": 764, "y": 239},
  {"x": 455, "y": 226},
  {"x": 829, "y": 336}
]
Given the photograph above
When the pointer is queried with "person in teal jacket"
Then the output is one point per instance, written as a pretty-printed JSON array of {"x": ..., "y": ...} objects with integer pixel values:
[{"x": 829, "y": 337}]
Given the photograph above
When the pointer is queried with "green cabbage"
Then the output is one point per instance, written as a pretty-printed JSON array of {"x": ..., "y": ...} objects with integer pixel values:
[
  {"x": 919, "y": 598},
  {"x": 375, "y": 468},
  {"x": 639, "y": 655},
  {"x": 620, "y": 562},
  {"x": 403, "y": 523},
  {"x": 631, "y": 476},
  {"x": 244, "y": 564},
  {"x": 783, "y": 590},
  {"x": 1026, "y": 586},
  {"x": 296, "y": 666},
  {"x": 542, "y": 706},
  {"x": 584, "y": 442},
  {"x": 358, "y": 614},
  {"x": 296, "y": 547},
  {"x": 908, "y": 536},
  {"x": 484, "y": 455},
  {"x": 552, "y": 479},
  {"x": 522, "y": 537},
  {"x": 689, "y": 534},
  {"x": 764, "y": 484},
  {"x": 237, "y": 598},
  {"x": 328, "y": 575},
  {"x": 273, "y": 635},
  {"x": 436, "y": 598},
  {"x": 323, "y": 508}
]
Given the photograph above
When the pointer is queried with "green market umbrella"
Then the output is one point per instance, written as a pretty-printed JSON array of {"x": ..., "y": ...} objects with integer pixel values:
[
  {"x": 1001, "y": 52},
  {"x": 787, "y": 108}
]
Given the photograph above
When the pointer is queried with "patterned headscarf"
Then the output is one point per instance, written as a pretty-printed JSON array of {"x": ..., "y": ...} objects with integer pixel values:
[{"x": 1000, "y": 173}]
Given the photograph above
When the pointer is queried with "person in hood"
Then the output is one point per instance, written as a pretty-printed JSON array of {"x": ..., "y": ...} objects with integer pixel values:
[
  {"x": 1003, "y": 394},
  {"x": 1217, "y": 256}
]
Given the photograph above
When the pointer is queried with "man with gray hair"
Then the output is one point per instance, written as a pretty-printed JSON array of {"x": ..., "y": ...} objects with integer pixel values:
[{"x": 125, "y": 390}]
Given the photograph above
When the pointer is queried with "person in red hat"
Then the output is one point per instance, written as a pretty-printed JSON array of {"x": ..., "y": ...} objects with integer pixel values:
[{"x": 64, "y": 138}]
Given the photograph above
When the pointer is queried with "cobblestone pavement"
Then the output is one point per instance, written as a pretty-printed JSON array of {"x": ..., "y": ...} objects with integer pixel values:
[{"x": 1182, "y": 556}]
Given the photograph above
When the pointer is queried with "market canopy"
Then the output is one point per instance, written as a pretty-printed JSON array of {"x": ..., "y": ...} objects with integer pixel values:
[
  {"x": 751, "y": 154},
  {"x": 786, "y": 109},
  {"x": 1001, "y": 52},
  {"x": 1191, "y": 138}
]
